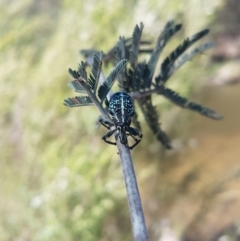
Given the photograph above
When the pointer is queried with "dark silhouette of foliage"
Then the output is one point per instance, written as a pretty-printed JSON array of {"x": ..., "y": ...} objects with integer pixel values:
[
  {"x": 137, "y": 78},
  {"x": 82, "y": 84},
  {"x": 185, "y": 103},
  {"x": 169, "y": 61},
  {"x": 108, "y": 83},
  {"x": 96, "y": 70},
  {"x": 169, "y": 30}
]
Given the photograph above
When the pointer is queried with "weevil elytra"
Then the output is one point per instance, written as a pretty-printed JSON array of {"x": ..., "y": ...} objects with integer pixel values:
[{"x": 121, "y": 110}]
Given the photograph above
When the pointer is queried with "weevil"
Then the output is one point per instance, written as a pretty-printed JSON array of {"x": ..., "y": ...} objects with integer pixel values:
[{"x": 120, "y": 111}]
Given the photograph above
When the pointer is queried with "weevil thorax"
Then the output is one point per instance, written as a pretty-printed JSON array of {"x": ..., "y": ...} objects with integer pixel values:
[{"x": 121, "y": 109}]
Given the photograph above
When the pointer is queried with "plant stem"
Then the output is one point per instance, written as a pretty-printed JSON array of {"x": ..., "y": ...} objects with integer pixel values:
[{"x": 134, "y": 202}]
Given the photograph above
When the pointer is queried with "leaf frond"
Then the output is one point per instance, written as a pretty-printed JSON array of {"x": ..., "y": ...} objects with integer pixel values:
[
  {"x": 140, "y": 70},
  {"x": 151, "y": 116},
  {"x": 96, "y": 70},
  {"x": 78, "y": 101},
  {"x": 120, "y": 50},
  {"x": 185, "y": 103},
  {"x": 76, "y": 86},
  {"x": 137, "y": 33},
  {"x": 188, "y": 56},
  {"x": 82, "y": 70},
  {"x": 108, "y": 83},
  {"x": 73, "y": 73},
  {"x": 169, "y": 61},
  {"x": 120, "y": 54},
  {"x": 144, "y": 70},
  {"x": 169, "y": 30}
]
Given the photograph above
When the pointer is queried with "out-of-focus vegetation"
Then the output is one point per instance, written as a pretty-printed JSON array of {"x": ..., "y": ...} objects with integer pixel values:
[{"x": 59, "y": 181}]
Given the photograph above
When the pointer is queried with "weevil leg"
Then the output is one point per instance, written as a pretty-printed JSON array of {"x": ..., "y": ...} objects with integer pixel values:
[
  {"x": 107, "y": 135},
  {"x": 106, "y": 123},
  {"x": 133, "y": 133},
  {"x": 131, "y": 147}
]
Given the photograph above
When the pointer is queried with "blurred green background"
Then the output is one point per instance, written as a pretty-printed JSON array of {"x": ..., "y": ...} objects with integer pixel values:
[{"x": 60, "y": 181}]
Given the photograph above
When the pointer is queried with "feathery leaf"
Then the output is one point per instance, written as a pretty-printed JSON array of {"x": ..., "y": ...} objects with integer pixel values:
[
  {"x": 151, "y": 117},
  {"x": 82, "y": 70},
  {"x": 188, "y": 56},
  {"x": 185, "y": 103},
  {"x": 137, "y": 33},
  {"x": 76, "y": 86},
  {"x": 140, "y": 70},
  {"x": 96, "y": 70},
  {"x": 73, "y": 73},
  {"x": 120, "y": 50},
  {"x": 78, "y": 101},
  {"x": 141, "y": 76},
  {"x": 108, "y": 83},
  {"x": 120, "y": 54},
  {"x": 169, "y": 30},
  {"x": 169, "y": 61}
]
